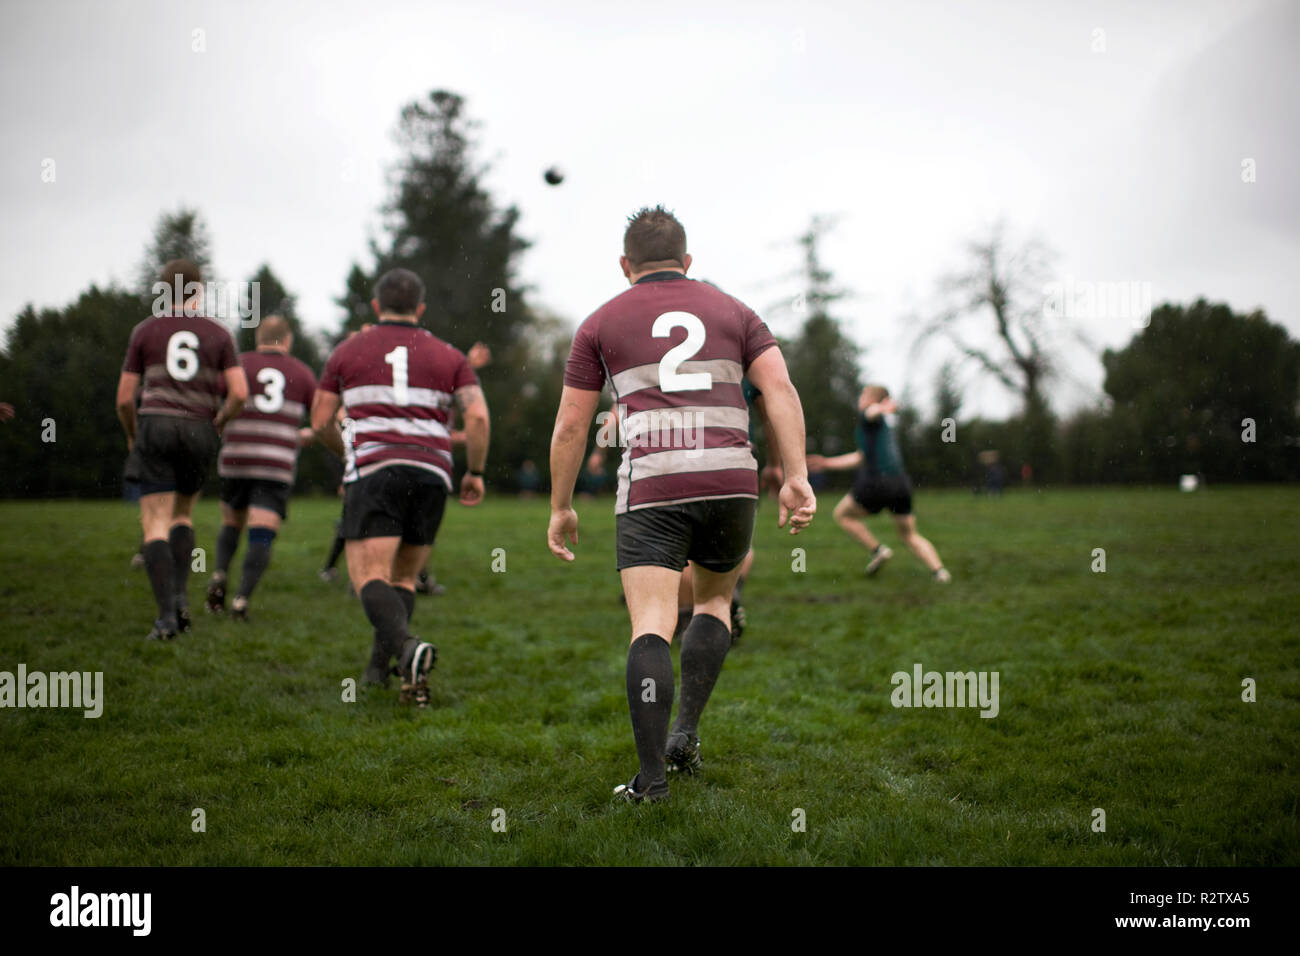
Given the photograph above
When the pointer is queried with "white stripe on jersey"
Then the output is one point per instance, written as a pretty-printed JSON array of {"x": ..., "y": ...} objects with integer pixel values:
[
  {"x": 681, "y": 461},
  {"x": 367, "y": 470},
  {"x": 239, "y": 449},
  {"x": 265, "y": 472},
  {"x": 241, "y": 427},
  {"x": 656, "y": 421},
  {"x": 634, "y": 379},
  {"x": 402, "y": 426},
  {"x": 384, "y": 395}
]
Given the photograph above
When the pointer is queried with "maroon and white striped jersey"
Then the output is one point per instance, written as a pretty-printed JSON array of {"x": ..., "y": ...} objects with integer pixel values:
[
  {"x": 397, "y": 383},
  {"x": 182, "y": 361},
  {"x": 674, "y": 352},
  {"x": 263, "y": 441}
]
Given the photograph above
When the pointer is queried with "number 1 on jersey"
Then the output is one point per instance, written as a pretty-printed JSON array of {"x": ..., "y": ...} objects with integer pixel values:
[{"x": 397, "y": 359}]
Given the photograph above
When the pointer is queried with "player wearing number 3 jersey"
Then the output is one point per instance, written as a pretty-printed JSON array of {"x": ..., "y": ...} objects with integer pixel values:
[
  {"x": 397, "y": 383},
  {"x": 259, "y": 453},
  {"x": 674, "y": 352},
  {"x": 185, "y": 363}
]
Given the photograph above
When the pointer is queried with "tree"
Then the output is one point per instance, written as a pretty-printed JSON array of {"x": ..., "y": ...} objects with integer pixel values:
[
  {"x": 1188, "y": 383},
  {"x": 275, "y": 299},
  {"x": 443, "y": 225},
  {"x": 178, "y": 235},
  {"x": 61, "y": 366},
  {"x": 1002, "y": 290},
  {"x": 823, "y": 361}
]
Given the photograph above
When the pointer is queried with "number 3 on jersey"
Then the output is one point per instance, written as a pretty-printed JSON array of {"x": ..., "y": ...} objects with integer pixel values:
[
  {"x": 397, "y": 359},
  {"x": 671, "y": 380},
  {"x": 271, "y": 400}
]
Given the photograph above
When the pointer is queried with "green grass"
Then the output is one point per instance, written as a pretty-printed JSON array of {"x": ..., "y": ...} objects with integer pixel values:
[{"x": 1119, "y": 690}]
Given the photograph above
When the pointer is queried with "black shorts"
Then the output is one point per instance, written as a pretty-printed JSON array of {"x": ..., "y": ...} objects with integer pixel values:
[
  {"x": 884, "y": 491},
  {"x": 171, "y": 454},
  {"x": 398, "y": 501},
  {"x": 243, "y": 493},
  {"x": 715, "y": 534}
]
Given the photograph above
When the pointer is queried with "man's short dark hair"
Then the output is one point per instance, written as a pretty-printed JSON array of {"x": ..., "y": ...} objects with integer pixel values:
[
  {"x": 399, "y": 292},
  {"x": 654, "y": 235},
  {"x": 187, "y": 270}
]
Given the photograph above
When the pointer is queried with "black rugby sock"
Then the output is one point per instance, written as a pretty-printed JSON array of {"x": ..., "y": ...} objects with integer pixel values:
[
  {"x": 408, "y": 600},
  {"x": 337, "y": 547},
  {"x": 704, "y": 647},
  {"x": 158, "y": 565},
  {"x": 257, "y": 559},
  {"x": 227, "y": 545},
  {"x": 182, "y": 545},
  {"x": 650, "y": 702},
  {"x": 387, "y": 615}
]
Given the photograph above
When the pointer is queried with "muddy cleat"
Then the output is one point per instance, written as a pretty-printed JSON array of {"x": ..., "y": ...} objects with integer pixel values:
[
  {"x": 161, "y": 632},
  {"x": 737, "y": 621},
  {"x": 651, "y": 794},
  {"x": 239, "y": 609},
  {"x": 215, "y": 603},
  {"x": 416, "y": 662},
  {"x": 683, "y": 754},
  {"x": 942, "y": 576},
  {"x": 183, "y": 620},
  {"x": 328, "y": 575},
  {"x": 427, "y": 584},
  {"x": 878, "y": 559},
  {"x": 137, "y": 561}
]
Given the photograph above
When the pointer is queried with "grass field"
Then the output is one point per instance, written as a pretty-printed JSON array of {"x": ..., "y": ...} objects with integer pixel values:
[{"x": 1120, "y": 691}]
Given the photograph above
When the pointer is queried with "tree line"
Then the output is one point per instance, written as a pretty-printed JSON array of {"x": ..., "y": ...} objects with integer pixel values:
[{"x": 1200, "y": 389}]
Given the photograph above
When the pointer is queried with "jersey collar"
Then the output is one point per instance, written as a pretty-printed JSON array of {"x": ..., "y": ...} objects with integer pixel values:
[{"x": 661, "y": 276}]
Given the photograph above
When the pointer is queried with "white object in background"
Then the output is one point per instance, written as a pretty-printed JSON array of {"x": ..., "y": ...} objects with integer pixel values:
[{"x": 1189, "y": 482}]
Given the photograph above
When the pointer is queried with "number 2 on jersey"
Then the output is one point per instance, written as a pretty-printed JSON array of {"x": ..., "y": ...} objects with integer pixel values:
[
  {"x": 671, "y": 380},
  {"x": 397, "y": 359}
]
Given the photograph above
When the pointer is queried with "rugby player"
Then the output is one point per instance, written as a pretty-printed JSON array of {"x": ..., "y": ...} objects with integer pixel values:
[
  {"x": 688, "y": 490},
  {"x": 397, "y": 383},
  {"x": 185, "y": 361},
  {"x": 881, "y": 483},
  {"x": 259, "y": 453}
]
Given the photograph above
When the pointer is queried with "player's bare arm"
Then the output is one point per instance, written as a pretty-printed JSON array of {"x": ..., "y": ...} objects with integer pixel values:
[
  {"x": 478, "y": 429},
  {"x": 784, "y": 413},
  {"x": 236, "y": 395},
  {"x": 568, "y": 446},
  {"x": 843, "y": 462},
  {"x": 127, "y": 386},
  {"x": 325, "y": 407}
]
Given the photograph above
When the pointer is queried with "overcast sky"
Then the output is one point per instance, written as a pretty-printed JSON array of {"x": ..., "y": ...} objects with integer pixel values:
[{"x": 1114, "y": 131}]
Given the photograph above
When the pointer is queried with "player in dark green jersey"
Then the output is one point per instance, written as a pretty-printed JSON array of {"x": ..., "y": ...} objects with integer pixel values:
[{"x": 881, "y": 483}]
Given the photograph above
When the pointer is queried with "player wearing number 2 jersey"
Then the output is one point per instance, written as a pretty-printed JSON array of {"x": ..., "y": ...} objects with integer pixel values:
[
  {"x": 185, "y": 362},
  {"x": 397, "y": 383},
  {"x": 674, "y": 352},
  {"x": 259, "y": 453}
]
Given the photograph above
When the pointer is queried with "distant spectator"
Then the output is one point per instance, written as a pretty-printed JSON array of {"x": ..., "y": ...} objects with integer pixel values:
[
  {"x": 592, "y": 478},
  {"x": 529, "y": 478}
]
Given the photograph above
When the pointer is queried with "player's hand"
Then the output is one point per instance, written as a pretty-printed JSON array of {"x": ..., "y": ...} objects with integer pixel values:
[
  {"x": 816, "y": 462},
  {"x": 889, "y": 406},
  {"x": 478, "y": 356},
  {"x": 564, "y": 524},
  {"x": 471, "y": 489},
  {"x": 798, "y": 504},
  {"x": 305, "y": 437},
  {"x": 6, "y": 411},
  {"x": 772, "y": 476}
]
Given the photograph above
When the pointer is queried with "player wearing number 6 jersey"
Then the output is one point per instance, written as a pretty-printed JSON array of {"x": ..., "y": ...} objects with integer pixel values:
[
  {"x": 186, "y": 362},
  {"x": 259, "y": 453},
  {"x": 397, "y": 383},
  {"x": 674, "y": 352}
]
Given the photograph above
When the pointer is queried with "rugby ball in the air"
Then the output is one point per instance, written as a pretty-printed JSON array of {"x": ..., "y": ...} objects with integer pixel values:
[{"x": 553, "y": 176}]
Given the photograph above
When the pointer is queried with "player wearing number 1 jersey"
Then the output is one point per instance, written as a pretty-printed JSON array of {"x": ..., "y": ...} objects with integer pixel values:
[
  {"x": 674, "y": 352},
  {"x": 397, "y": 383},
  {"x": 259, "y": 453},
  {"x": 186, "y": 363}
]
